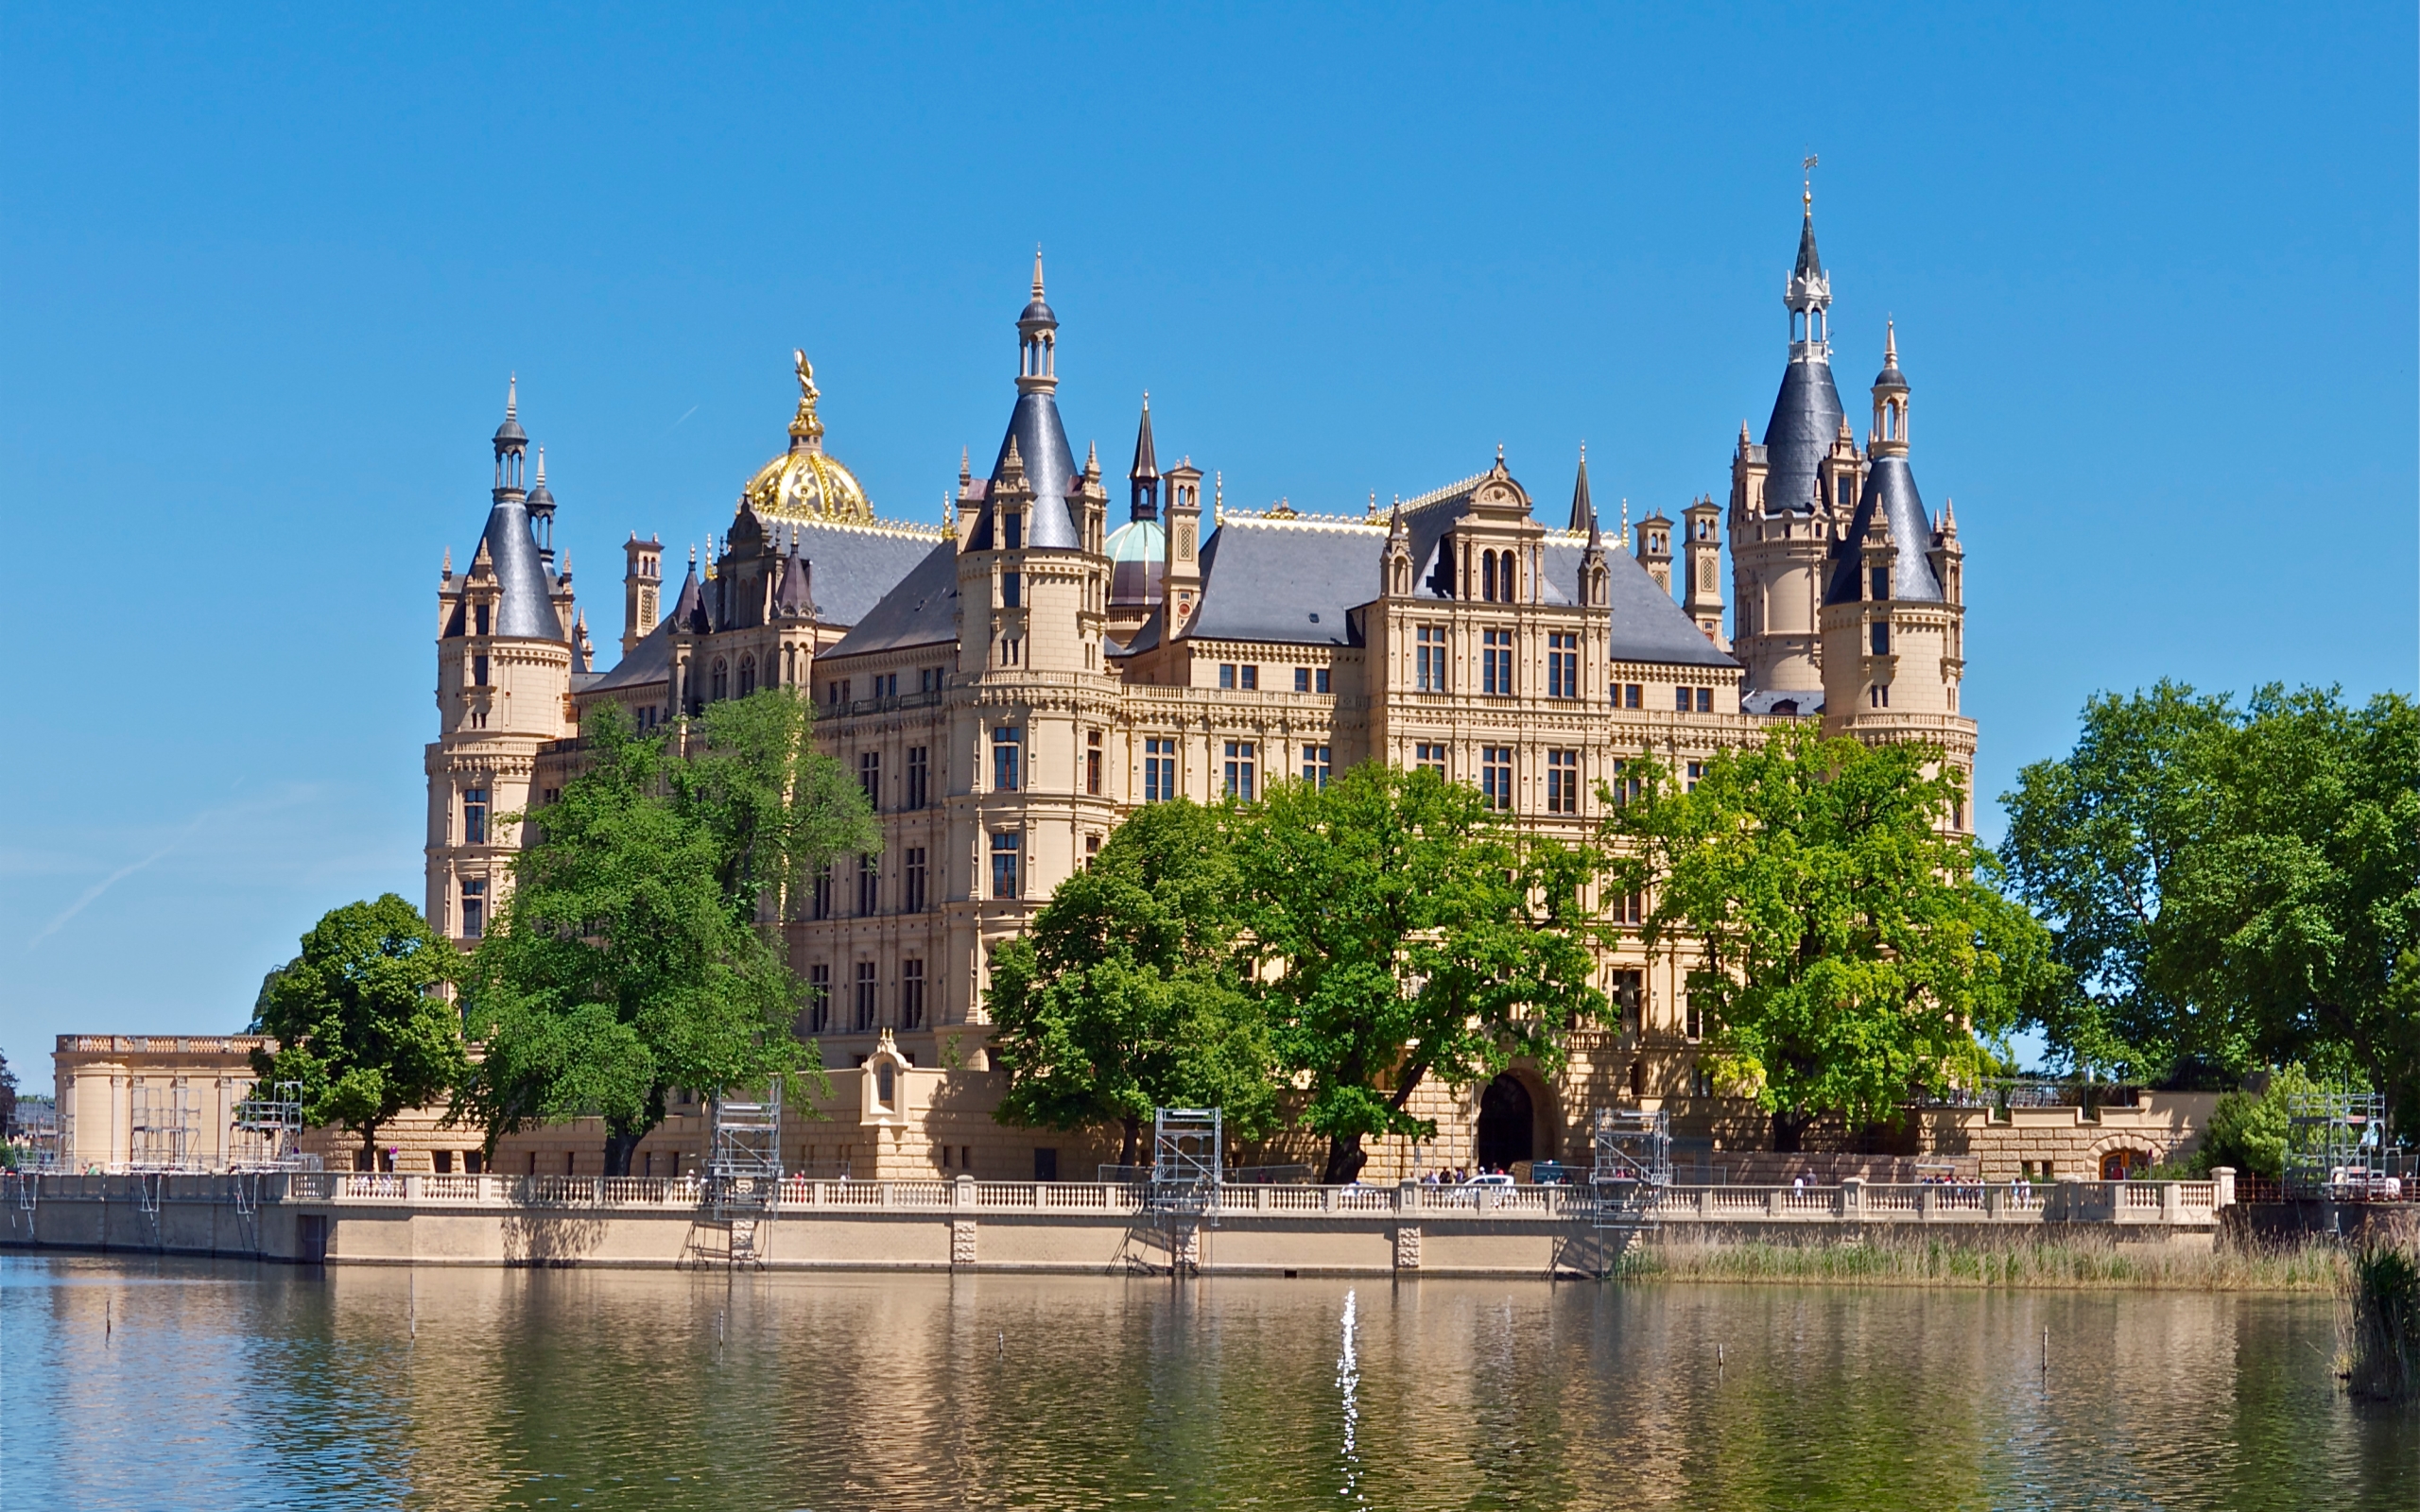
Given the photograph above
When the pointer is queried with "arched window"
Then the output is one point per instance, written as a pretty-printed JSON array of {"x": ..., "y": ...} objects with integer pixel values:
[
  {"x": 1487, "y": 575},
  {"x": 719, "y": 685},
  {"x": 747, "y": 675}
]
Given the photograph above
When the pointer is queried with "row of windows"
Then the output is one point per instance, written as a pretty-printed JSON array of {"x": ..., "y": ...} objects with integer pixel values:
[
  {"x": 919, "y": 777},
  {"x": 864, "y": 1008},
  {"x": 915, "y": 895},
  {"x": 1245, "y": 676},
  {"x": 842, "y": 691}
]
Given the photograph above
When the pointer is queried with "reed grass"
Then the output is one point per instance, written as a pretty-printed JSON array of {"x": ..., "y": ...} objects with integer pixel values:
[
  {"x": 2381, "y": 1320},
  {"x": 2055, "y": 1262}
]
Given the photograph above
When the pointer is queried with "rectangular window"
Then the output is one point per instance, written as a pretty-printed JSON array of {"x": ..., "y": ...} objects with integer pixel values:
[
  {"x": 1240, "y": 769},
  {"x": 1562, "y": 665},
  {"x": 1630, "y": 909},
  {"x": 1428, "y": 758},
  {"x": 1250, "y": 676},
  {"x": 480, "y": 669},
  {"x": 918, "y": 770},
  {"x": 474, "y": 908},
  {"x": 1495, "y": 663},
  {"x": 1881, "y": 630},
  {"x": 1683, "y": 699},
  {"x": 870, "y": 776},
  {"x": 885, "y": 686},
  {"x": 475, "y": 815},
  {"x": 822, "y": 904},
  {"x": 1629, "y": 1000},
  {"x": 1562, "y": 781},
  {"x": 1159, "y": 769},
  {"x": 912, "y": 897},
  {"x": 1005, "y": 766},
  {"x": 1012, "y": 589},
  {"x": 868, "y": 886},
  {"x": 1319, "y": 680},
  {"x": 1302, "y": 679},
  {"x": 1627, "y": 785},
  {"x": 1634, "y": 696},
  {"x": 1226, "y": 674},
  {"x": 819, "y": 998},
  {"x": 1013, "y": 529},
  {"x": 1092, "y": 763},
  {"x": 1495, "y": 776},
  {"x": 912, "y": 994},
  {"x": 1880, "y": 583},
  {"x": 1705, "y": 700},
  {"x": 1316, "y": 764},
  {"x": 1429, "y": 668},
  {"x": 865, "y": 997},
  {"x": 1696, "y": 769},
  {"x": 1008, "y": 847}
]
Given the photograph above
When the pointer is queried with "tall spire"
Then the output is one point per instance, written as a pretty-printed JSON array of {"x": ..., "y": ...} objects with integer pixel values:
[
  {"x": 1583, "y": 510},
  {"x": 1037, "y": 271},
  {"x": 511, "y": 441},
  {"x": 1037, "y": 339},
  {"x": 1143, "y": 478}
]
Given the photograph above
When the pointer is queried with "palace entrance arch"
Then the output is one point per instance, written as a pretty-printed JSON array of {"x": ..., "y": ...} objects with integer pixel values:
[{"x": 1508, "y": 1124}]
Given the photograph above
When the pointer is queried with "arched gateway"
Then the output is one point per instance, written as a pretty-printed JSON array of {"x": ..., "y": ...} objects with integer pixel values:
[{"x": 1508, "y": 1124}]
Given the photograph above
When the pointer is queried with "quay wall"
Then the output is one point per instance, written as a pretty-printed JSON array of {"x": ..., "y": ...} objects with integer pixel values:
[{"x": 383, "y": 1219}]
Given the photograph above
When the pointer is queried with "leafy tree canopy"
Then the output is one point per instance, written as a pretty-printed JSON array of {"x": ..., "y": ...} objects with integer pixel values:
[
  {"x": 1846, "y": 952},
  {"x": 630, "y": 958},
  {"x": 357, "y": 1018},
  {"x": 1127, "y": 994},
  {"x": 1407, "y": 933}
]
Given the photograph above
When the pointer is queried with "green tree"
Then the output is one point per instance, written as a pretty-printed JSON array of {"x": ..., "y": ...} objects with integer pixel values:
[
  {"x": 634, "y": 955},
  {"x": 2247, "y": 1130},
  {"x": 2292, "y": 911},
  {"x": 1129, "y": 996},
  {"x": 2093, "y": 839},
  {"x": 1844, "y": 950},
  {"x": 1407, "y": 933},
  {"x": 359, "y": 1019}
]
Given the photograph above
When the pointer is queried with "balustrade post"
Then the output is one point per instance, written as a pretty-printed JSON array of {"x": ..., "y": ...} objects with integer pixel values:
[
  {"x": 1923, "y": 1202},
  {"x": 883, "y": 1193},
  {"x": 1994, "y": 1195},
  {"x": 1774, "y": 1201},
  {"x": 1406, "y": 1197},
  {"x": 411, "y": 1188},
  {"x": 1260, "y": 1199},
  {"x": 2222, "y": 1190},
  {"x": 596, "y": 1191},
  {"x": 962, "y": 1194},
  {"x": 1852, "y": 1196},
  {"x": 2171, "y": 1201}
]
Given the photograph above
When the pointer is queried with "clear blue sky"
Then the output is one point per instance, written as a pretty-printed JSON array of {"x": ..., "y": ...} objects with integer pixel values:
[{"x": 261, "y": 276}]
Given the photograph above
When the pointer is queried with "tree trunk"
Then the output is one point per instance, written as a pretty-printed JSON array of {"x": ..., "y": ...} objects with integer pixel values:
[
  {"x": 370, "y": 1145},
  {"x": 619, "y": 1146},
  {"x": 1345, "y": 1158},
  {"x": 1133, "y": 1140},
  {"x": 1789, "y": 1130}
]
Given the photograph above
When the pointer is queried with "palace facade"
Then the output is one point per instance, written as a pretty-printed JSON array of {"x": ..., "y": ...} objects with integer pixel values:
[{"x": 1008, "y": 685}]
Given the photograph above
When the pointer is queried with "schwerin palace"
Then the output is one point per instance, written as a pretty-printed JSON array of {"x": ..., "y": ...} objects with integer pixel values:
[{"x": 1008, "y": 685}]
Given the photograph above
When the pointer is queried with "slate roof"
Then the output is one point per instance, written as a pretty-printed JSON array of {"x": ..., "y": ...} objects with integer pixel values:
[
  {"x": 854, "y": 567},
  {"x": 1050, "y": 471},
  {"x": 1806, "y": 417},
  {"x": 920, "y": 609},
  {"x": 524, "y": 608},
  {"x": 649, "y": 661},
  {"x": 1889, "y": 490}
]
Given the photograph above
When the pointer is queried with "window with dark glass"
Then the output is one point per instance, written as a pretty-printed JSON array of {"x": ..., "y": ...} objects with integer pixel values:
[
  {"x": 1004, "y": 764},
  {"x": 1012, "y": 528},
  {"x": 1495, "y": 776},
  {"x": 868, "y": 886},
  {"x": 1319, "y": 680},
  {"x": 1705, "y": 700},
  {"x": 1008, "y": 846},
  {"x": 912, "y": 882},
  {"x": 1697, "y": 770},
  {"x": 1240, "y": 767},
  {"x": 475, "y": 815},
  {"x": 1562, "y": 665},
  {"x": 819, "y": 998},
  {"x": 1429, "y": 668},
  {"x": 1627, "y": 785},
  {"x": 1634, "y": 696},
  {"x": 721, "y": 679},
  {"x": 1316, "y": 762},
  {"x": 1496, "y": 663},
  {"x": 1159, "y": 769},
  {"x": 823, "y": 902},
  {"x": 474, "y": 907},
  {"x": 1226, "y": 674},
  {"x": 1881, "y": 630},
  {"x": 870, "y": 776},
  {"x": 918, "y": 770},
  {"x": 747, "y": 676},
  {"x": 1562, "y": 781},
  {"x": 1012, "y": 589},
  {"x": 1249, "y": 671},
  {"x": 911, "y": 993},
  {"x": 1302, "y": 679},
  {"x": 1092, "y": 763},
  {"x": 1428, "y": 757},
  {"x": 865, "y": 1004}
]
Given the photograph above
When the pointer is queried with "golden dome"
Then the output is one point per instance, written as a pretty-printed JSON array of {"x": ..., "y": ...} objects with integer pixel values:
[{"x": 802, "y": 483}]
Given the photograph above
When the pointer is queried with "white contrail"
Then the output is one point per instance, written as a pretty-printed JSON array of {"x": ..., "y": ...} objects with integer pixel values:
[
  {"x": 676, "y": 424},
  {"x": 85, "y": 900}
]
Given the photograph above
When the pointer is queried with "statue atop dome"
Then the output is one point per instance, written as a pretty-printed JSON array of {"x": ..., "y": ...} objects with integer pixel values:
[{"x": 805, "y": 483}]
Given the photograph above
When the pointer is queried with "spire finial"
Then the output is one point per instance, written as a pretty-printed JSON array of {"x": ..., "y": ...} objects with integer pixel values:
[
  {"x": 449, "y": 561},
  {"x": 1890, "y": 349},
  {"x": 542, "y": 464},
  {"x": 1807, "y": 184},
  {"x": 1037, "y": 271},
  {"x": 1623, "y": 540},
  {"x": 1499, "y": 454},
  {"x": 806, "y": 427},
  {"x": 512, "y": 395}
]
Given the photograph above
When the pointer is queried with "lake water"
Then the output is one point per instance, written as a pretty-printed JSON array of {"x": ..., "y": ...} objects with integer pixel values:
[{"x": 141, "y": 1383}]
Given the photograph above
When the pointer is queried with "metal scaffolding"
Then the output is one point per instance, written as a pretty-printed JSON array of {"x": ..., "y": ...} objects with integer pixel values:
[
  {"x": 2336, "y": 1146},
  {"x": 161, "y": 1126},
  {"x": 1633, "y": 1168},
  {"x": 1186, "y": 1155},
  {"x": 267, "y": 1133},
  {"x": 743, "y": 1167}
]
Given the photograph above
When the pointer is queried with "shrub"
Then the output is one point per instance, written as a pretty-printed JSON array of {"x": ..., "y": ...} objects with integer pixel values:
[{"x": 2384, "y": 1292}]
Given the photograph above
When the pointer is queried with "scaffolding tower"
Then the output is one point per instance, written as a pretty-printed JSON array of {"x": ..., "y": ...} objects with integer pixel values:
[
  {"x": 161, "y": 1124},
  {"x": 743, "y": 1167},
  {"x": 1633, "y": 1168},
  {"x": 1186, "y": 1146},
  {"x": 268, "y": 1130},
  {"x": 2336, "y": 1146}
]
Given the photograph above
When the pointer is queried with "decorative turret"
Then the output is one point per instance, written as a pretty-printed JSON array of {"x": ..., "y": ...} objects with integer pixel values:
[
  {"x": 1596, "y": 581},
  {"x": 806, "y": 482},
  {"x": 1037, "y": 340},
  {"x": 1584, "y": 510},
  {"x": 1395, "y": 566},
  {"x": 1180, "y": 577},
  {"x": 1703, "y": 593},
  {"x": 542, "y": 513},
  {"x": 642, "y": 589},
  {"x": 1137, "y": 550},
  {"x": 1655, "y": 549},
  {"x": 1143, "y": 478},
  {"x": 1889, "y": 436}
]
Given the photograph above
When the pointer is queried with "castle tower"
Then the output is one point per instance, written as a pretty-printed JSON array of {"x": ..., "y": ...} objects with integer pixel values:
[
  {"x": 1137, "y": 550},
  {"x": 1787, "y": 491},
  {"x": 1701, "y": 591},
  {"x": 1892, "y": 634},
  {"x": 642, "y": 589},
  {"x": 1180, "y": 575},
  {"x": 505, "y": 650},
  {"x": 1655, "y": 549}
]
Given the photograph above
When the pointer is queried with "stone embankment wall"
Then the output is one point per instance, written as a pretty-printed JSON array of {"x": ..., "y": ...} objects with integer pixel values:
[{"x": 1536, "y": 1231}]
